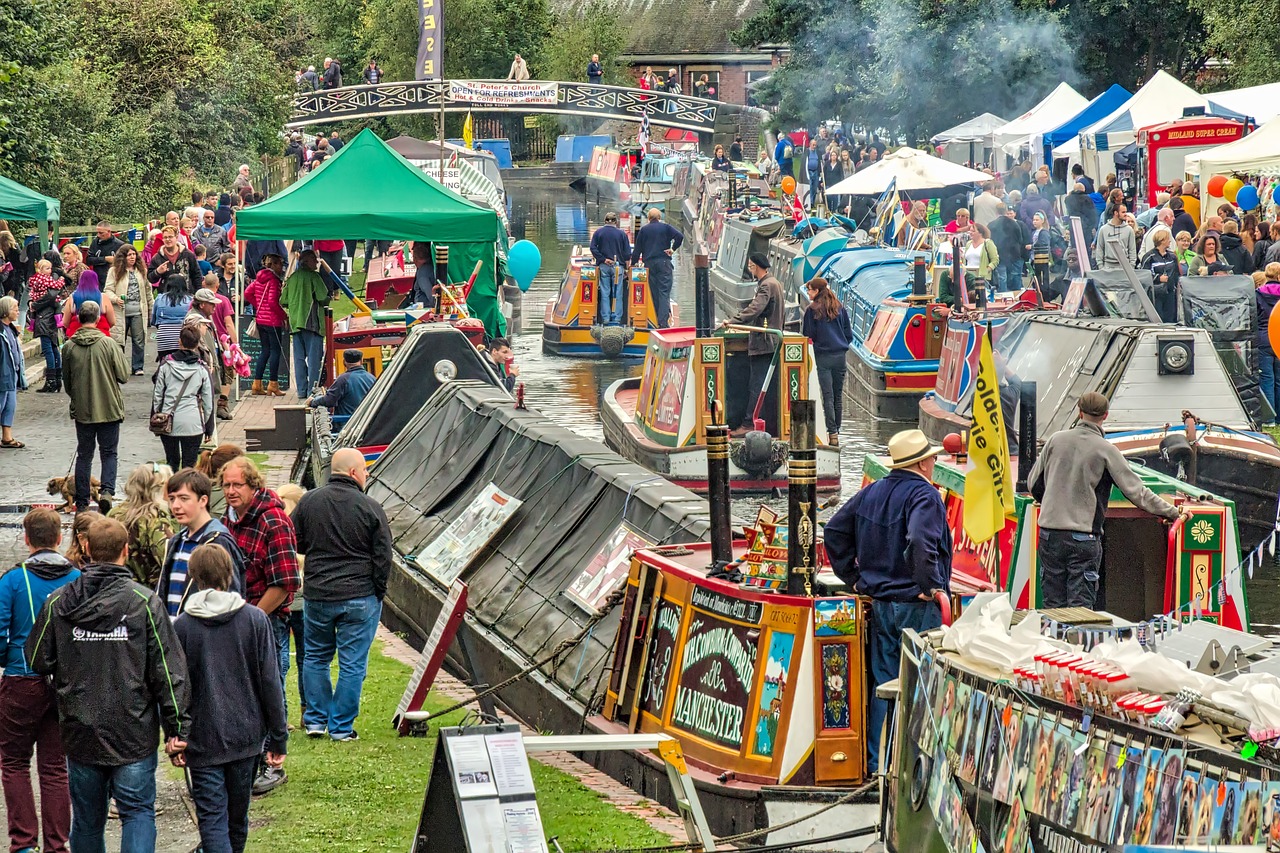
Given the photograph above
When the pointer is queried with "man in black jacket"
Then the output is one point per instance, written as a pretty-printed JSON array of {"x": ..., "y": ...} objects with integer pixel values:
[
  {"x": 347, "y": 541},
  {"x": 611, "y": 249},
  {"x": 1013, "y": 242},
  {"x": 119, "y": 675},
  {"x": 236, "y": 702},
  {"x": 656, "y": 243},
  {"x": 102, "y": 251},
  {"x": 766, "y": 311}
]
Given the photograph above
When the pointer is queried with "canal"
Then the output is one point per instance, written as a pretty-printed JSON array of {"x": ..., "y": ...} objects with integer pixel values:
[{"x": 570, "y": 390}]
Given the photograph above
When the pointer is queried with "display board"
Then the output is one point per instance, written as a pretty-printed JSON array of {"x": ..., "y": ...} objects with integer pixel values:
[
  {"x": 252, "y": 347},
  {"x": 480, "y": 797},
  {"x": 607, "y": 570},
  {"x": 445, "y": 557},
  {"x": 433, "y": 652}
]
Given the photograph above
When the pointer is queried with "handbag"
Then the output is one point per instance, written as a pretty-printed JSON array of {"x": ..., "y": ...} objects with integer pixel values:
[
  {"x": 251, "y": 331},
  {"x": 161, "y": 422}
]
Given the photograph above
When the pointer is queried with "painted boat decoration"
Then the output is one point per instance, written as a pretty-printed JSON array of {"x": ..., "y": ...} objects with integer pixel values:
[
  {"x": 571, "y": 324},
  {"x": 659, "y": 419}
]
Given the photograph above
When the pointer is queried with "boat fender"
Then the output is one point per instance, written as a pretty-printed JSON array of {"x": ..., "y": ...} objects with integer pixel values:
[
  {"x": 612, "y": 339},
  {"x": 1175, "y": 450},
  {"x": 758, "y": 454}
]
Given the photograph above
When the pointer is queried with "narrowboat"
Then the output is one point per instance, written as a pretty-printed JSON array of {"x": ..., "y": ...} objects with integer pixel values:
[
  {"x": 659, "y": 420},
  {"x": 709, "y": 197},
  {"x": 571, "y": 324},
  {"x": 767, "y": 232},
  {"x": 1152, "y": 373},
  {"x": 628, "y": 174}
]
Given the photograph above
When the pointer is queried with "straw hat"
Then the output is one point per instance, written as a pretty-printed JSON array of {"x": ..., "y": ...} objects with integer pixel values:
[{"x": 910, "y": 446}]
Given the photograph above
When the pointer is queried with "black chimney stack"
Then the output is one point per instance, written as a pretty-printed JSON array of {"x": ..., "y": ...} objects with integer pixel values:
[
  {"x": 919, "y": 286},
  {"x": 704, "y": 309},
  {"x": 802, "y": 500},
  {"x": 1026, "y": 433},
  {"x": 442, "y": 275},
  {"x": 718, "y": 490}
]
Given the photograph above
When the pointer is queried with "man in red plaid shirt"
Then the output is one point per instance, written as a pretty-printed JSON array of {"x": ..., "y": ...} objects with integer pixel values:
[{"x": 262, "y": 529}]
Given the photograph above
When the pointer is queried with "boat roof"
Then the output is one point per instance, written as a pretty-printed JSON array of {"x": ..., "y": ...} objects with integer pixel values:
[
  {"x": 682, "y": 337},
  {"x": 869, "y": 273}
]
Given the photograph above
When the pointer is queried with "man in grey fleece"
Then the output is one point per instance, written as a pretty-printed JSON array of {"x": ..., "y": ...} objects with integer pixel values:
[{"x": 1072, "y": 480}]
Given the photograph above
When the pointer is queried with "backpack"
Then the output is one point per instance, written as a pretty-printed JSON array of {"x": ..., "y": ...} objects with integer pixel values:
[{"x": 787, "y": 151}]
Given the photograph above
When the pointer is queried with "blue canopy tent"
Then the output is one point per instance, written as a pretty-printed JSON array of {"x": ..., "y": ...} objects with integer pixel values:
[{"x": 1096, "y": 110}]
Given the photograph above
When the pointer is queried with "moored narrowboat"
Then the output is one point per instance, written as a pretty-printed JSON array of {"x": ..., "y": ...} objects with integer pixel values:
[
  {"x": 659, "y": 420},
  {"x": 571, "y": 323}
]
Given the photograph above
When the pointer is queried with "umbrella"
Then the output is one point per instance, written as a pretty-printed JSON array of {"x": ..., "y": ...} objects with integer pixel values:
[
  {"x": 818, "y": 248},
  {"x": 918, "y": 175}
]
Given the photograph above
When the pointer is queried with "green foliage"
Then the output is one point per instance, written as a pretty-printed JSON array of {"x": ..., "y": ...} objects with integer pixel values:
[
  {"x": 1247, "y": 34},
  {"x": 594, "y": 28}
]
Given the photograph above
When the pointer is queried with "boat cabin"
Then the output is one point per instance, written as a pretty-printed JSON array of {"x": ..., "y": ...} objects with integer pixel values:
[{"x": 571, "y": 321}]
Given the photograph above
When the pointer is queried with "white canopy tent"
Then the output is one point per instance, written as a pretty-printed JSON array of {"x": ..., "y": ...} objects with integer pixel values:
[
  {"x": 969, "y": 140},
  {"x": 914, "y": 174},
  {"x": 1260, "y": 103},
  {"x": 1058, "y": 106},
  {"x": 1163, "y": 98},
  {"x": 1256, "y": 154}
]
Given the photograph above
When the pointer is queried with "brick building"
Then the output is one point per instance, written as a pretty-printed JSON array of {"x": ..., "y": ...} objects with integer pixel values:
[{"x": 693, "y": 38}]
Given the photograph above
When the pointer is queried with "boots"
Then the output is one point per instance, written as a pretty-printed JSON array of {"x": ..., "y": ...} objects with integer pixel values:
[
  {"x": 273, "y": 388},
  {"x": 57, "y": 379},
  {"x": 257, "y": 389},
  {"x": 49, "y": 382},
  {"x": 224, "y": 414}
]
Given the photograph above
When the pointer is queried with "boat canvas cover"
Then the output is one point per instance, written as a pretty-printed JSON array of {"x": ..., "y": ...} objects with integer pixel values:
[
  {"x": 410, "y": 380},
  {"x": 740, "y": 240},
  {"x": 367, "y": 191},
  {"x": 575, "y": 495},
  {"x": 869, "y": 275},
  {"x": 1224, "y": 305}
]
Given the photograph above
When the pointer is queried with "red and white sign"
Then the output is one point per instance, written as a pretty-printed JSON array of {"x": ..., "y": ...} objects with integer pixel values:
[
  {"x": 503, "y": 92},
  {"x": 424, "y": 674}
]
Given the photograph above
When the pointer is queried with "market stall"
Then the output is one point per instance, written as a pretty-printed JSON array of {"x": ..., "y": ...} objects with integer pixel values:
[
  {"x": 969, "y": 141},
  {"x": 1021, "y": 133},
  {"x": 1064, "y": 140},
  {"x": 1255, "y": 154},
  {"x": 24, "y": 203}
]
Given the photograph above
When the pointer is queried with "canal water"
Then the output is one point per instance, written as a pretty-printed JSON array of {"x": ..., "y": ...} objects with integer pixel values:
[{"x": 570, "y": 390}]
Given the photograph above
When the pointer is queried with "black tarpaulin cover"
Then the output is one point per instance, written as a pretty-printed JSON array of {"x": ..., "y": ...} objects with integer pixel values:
[
  {"x": 1222, "y": 304},
  {"x": 575, "y": 493}
]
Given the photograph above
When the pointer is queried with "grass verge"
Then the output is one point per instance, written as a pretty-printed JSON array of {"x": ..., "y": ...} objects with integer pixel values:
[{"x": 367, "y": 796}]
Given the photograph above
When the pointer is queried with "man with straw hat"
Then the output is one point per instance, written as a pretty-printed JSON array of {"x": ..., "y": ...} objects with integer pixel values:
[{"x": 891, "y": 542}]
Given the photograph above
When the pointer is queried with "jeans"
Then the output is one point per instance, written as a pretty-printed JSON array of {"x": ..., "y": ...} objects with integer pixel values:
[
  {"x": 308, "y": 361},
  {"x": 612, "y": 294},
  {"x": 52, "y": 355},
  {"x": 297, "y": 627},
  {"x": 888, "y": 619},
  {"x": 1269, "y": 369},
  {"x": 1069, "y": 567},
  {"x": 270, "y": 338},
  {"x": 333, "y": 259},
  {"x": 347, "y": 628},
  {"x": 280, "y": 630},
  {"x": 1008, "y": 275},
  {"x": 831, "y": 370},
  {"x": 29, "y": 719},
  {"x": 180, "y": 451},
  {"x": 661, "y": 277},
  {"x": 106, "y": 437},
  {"x": 221, "y": 794},
  {"x": 134, "y": 788},
  {"x": 136, "y": 330}
]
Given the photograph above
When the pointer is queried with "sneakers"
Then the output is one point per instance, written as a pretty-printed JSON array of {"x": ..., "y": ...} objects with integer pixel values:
[
  {"x": 268, "y": 780},
  {"x": 105, "y": 501},
  {"x": 315, "y": 731},
  {"x": 347, "y": 738}
]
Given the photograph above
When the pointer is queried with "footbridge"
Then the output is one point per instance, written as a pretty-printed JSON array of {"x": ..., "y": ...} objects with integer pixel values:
[{"x": 620, "y": 103}]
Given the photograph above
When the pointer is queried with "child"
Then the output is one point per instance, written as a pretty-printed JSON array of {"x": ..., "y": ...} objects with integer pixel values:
[
  {"x": 45, "y": 292},
  {"x": 205, "y": 267}
]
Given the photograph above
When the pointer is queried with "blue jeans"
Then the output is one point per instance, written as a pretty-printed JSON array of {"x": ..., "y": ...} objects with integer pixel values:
[
  {"x": 1009, "y": 274},
  {"x": 280, "y": 629},
  {"x": 888, "y": 619},
  {"x": 134, "y": 788},
  {"x": 297, "y": 626},
  {"x": 612, "y": 294},
  {"x": 347, "y": 628},
  {"x": 52, "y": 355},
  {"x": 308, "y": 358},
  {"x": 1269, "y": 368},
  {"x": 221, "y": 794},
  {"x": 271, "y": 339}
]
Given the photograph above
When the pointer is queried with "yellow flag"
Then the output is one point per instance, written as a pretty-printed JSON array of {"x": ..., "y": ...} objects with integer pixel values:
[
  {"x": 467, "y": 131},
  {"x": 988, "y": 485}
]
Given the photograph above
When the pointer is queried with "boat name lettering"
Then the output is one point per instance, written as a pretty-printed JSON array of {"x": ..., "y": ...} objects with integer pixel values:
[
  {"x": 707, "y": 715},
  {"x": 740, "y": 609},
  {"x": 661, "y": 653},
  {"x": 720, "y": 642},
  {"x": 1055, "y": 842}
]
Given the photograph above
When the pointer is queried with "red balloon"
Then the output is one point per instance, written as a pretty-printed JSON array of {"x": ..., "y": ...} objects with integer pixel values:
[{"x": 1216, "y": 183}]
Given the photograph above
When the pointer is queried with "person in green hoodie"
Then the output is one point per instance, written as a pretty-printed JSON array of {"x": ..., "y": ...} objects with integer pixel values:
[
  {"x": 303, "y": 298},
  {"x": 94, "y": 368}
]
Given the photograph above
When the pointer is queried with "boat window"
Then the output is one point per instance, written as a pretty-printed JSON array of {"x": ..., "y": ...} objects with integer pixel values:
[{"x": 1048, "y": 354}]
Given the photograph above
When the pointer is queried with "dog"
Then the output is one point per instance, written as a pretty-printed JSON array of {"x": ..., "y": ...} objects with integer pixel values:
[{"x": 66, "y": 487}]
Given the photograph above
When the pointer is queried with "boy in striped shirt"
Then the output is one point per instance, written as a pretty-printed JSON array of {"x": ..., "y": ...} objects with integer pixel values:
[{"x": 188, "y": 493}]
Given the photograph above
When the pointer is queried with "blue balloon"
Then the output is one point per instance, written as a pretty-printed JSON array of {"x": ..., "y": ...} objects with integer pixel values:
[
  {"x": 1247, "y": 197},
  {"x": 524, "y": 260},
  {"x": 1275, "y": 195}
]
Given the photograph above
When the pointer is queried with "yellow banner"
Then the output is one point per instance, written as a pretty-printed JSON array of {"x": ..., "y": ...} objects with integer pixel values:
[{"x": 988, "y": 485}]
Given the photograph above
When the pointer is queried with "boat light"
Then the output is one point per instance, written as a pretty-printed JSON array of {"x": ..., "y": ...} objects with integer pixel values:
[
  {"x": 1176, "y": 355},
  {"x": 446, "y": 370}
]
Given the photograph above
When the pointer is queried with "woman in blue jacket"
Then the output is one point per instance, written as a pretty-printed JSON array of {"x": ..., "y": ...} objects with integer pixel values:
[
  {"x": 826, "y": 323},
  {"x": 12, "y": 369}
]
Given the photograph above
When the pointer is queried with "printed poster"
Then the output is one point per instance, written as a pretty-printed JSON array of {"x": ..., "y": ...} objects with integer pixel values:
[
  {"x": 506, "y": 92},
  {"x": 607, "y": 570},
  {"x": 446, "y": 556}
]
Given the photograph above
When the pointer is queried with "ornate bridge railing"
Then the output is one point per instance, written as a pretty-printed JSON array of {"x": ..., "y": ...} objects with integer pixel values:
[{"x": 623, "y": 103}]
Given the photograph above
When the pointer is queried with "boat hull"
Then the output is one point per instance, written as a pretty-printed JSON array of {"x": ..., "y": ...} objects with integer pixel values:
[
  {"x": 687, "y": 466},
  {"x": 888, "y": 390},
  {"x": 577, "y": 342}
]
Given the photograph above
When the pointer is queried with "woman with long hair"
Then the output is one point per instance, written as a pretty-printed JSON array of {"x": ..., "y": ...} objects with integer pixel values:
[
  {"x": 826, "y": 323},
  {"x": 290, "y": 494},
  {"x": 269, "y": 317},
  {"x": 184, "y": 390},
  {"x": 131, "y": 299},
  {"x": 145, "y": 514},
  {"x": 168, "y": 312},
  {"x": 87, "y": 290},
  {"x": 12, "y": 370},
  {"x": 78, "y": 550},
  {"x": 1041, "y": 245},
  {"x": 719, "y": 162}
]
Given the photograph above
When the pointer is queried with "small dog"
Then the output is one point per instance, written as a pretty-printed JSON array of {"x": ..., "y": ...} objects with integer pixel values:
[{"x": 66, "y": 487}]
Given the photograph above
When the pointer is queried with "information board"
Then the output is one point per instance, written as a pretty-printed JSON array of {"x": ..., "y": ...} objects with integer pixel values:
[
  {"x": 445, "y": 557},
  {"x": 433, "y": 652},
  {"x": 717, "y": 672}
]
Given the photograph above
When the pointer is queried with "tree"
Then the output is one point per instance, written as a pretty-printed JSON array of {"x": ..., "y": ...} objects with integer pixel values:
[
  {"x": 1246, "y": 37},
  {"x": 578, "y": 34}
]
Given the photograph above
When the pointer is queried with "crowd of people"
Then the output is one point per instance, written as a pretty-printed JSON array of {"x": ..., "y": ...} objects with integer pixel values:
[{"x": 173, "y": 613}]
